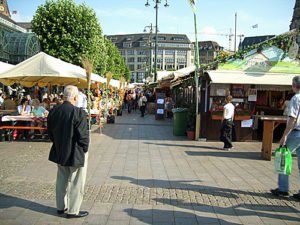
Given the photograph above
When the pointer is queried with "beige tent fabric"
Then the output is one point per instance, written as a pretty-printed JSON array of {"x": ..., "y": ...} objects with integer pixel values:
[
  {"x": 241, "y": 77},
  {"x": 42, "y": 69},
  {"x": 5, "y": 66}
]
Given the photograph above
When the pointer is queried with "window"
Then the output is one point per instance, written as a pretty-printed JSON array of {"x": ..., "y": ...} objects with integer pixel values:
[
  {"x": 130, "y": 60},
  {"x": 143, "y": 44},
  {"x": 127, "y": 44},
  {"x": 181, "y": 52},
  {"x": 131, "y": 67},
  {"x": 178, "y": 38},
  {"x": 181, "y": 60},
  {"x": 142, "y": 52},
  {"x": 159, "y": 52},
  {"x": 169, "y": 60},
  {"x": 159, "y": 60},
  {"x": 130, "y": 52},
  {"x": 169, "y": 52},
  {"x": 142, "y": 59},
  {"x": 122, "y": 52}
]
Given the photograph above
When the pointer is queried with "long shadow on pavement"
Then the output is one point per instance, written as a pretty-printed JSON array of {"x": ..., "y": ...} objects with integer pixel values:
[
  {"x": 7, "y": 201},
  {"x": 260, "y": 210},
  {"x": 172, "y": 217},
  {"x": 217, "y": 152},
  {"x": 186, "y": 185}
]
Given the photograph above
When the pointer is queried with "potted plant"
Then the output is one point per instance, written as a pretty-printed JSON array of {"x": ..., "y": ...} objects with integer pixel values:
[{"x": 191, "y": 126}]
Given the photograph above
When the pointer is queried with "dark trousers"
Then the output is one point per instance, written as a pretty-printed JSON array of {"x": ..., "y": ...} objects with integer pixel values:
[
  {"x": 226, "y": 133},
  {"x": 143, "y": 108}
]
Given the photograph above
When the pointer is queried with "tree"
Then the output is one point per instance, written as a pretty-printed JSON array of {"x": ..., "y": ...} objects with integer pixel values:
[
  {"x": 69, "y": 32},
  {"x": 115, "y": 62}
]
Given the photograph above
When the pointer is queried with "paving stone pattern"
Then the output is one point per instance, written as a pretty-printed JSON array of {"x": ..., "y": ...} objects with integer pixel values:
[{"x": 139, "y": 173}]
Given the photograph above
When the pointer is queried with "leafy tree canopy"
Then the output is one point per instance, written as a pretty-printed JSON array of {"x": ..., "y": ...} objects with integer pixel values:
[{"x": 69, "y": 32}]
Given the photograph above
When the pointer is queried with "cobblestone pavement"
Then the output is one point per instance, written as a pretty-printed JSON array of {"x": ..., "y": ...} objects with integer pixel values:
[{"x": 139, "y": 173}]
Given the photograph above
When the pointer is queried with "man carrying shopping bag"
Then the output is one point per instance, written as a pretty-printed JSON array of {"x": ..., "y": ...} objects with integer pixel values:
[{"x": 291, "y": 138}]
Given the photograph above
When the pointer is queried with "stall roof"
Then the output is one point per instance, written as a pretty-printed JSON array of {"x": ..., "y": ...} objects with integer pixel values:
[
  {"x": 5, "y": 66},
  {"x": 42, "y": 69},
  {"x": 241, "y": 77}
]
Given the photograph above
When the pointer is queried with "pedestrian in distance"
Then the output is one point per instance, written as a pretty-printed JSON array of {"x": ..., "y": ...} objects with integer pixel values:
[
  {"x": 67, "y": 129},
  {"x": 291, "y": 138},
  {"x": 227, "y": 124},
  {"x": 142, "y": 104}
]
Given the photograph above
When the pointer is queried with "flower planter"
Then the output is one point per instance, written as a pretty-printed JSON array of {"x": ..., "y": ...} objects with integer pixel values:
[
  {"x": 190, "y": 135},
  {"x": 216, "y": 117},
  {"x": 242, "y": 117}
]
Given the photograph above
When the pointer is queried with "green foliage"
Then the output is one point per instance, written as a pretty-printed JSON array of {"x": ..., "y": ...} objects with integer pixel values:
[
  {"x": 115, "y": 62},
  {"x": 221, "y": 57},
  {"x": 69, "y": 31}
]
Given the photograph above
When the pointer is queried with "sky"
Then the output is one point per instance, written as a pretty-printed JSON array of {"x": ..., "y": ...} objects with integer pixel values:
[{"x": 215, "y": 18}]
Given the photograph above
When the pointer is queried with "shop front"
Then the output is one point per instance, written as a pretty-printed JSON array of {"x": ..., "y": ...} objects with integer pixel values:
[{"x": 254, "y": 95}]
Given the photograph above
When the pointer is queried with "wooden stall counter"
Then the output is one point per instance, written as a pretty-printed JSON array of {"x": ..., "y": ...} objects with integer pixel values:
[{"x": 270, "y": 123}]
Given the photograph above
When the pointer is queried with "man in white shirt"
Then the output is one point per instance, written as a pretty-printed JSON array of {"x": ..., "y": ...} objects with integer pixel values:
[
  {"x": 82, "y": 101},
  {"x": 227, "y": 124}
]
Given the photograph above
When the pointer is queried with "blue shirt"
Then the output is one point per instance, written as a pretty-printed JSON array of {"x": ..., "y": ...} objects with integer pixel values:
[{"x": 39, "y": 111}]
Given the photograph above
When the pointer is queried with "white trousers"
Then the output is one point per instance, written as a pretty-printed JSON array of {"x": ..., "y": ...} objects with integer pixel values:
[{"x": 70, "y": 184}]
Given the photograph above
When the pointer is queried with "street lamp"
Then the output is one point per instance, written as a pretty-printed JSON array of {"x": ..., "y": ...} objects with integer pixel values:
[
  {"x": 157, "y": 2},
  {"x": 150, "y": 45}
]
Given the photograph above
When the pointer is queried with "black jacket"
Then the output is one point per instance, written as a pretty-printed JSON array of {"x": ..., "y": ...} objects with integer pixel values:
[{"x": 67, "y": 128}]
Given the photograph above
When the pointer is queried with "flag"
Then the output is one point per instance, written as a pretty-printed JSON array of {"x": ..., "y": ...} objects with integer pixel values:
[
  {"x": 14, "y": 12},
  {"x": 255, "y": 26},
  {"x": 193, "y": 5}
]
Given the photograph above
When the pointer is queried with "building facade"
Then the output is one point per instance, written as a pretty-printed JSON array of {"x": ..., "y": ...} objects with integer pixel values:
[
  {"x": 249, "y": 41},
  {"x": 17, "y": 42},
  {"x": 174, "y": 51},
  {"x": 208, "y": 51},
  {"x": 295, "y": 23}
]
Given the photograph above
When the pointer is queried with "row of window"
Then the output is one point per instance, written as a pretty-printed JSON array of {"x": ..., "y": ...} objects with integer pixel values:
[
  {"x": 159, "y": 52},
  {"x": 145, "y": 59}
]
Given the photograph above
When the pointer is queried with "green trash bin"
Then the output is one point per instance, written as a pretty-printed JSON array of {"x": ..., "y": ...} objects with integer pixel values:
[{"x": 179, "y": 121}]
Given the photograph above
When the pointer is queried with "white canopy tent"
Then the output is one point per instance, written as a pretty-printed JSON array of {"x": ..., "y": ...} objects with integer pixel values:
[
  {"x": 42, "y": 69},
  {"x": 5, "y": 66},
  {"x": 241, "y": 77}
]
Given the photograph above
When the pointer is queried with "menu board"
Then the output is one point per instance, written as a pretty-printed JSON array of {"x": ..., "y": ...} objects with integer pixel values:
[{"x": 160, "y": 105}]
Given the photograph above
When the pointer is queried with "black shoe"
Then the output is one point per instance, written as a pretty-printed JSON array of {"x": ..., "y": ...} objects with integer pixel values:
[
  {"x": 79, "y": 215},
  {"x": 60, "y": 212},
  {"x": 296, "y": 196},
  {"x": 276, "y": 192}
]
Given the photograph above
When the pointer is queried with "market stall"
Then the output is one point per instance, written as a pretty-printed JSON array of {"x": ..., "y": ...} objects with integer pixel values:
[{"x": 260, "y": 83}]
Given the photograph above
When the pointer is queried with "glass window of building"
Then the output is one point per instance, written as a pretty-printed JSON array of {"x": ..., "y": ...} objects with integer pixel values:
[
  {"x": 142, "y": 52},
  {"x": 159, "y": 51},
  {"x": 122, "y": 52},
  {"x": 181, "y": 52},
  {"x": 130, "y": 52},
  {"x": 169, "y": 52},
  {"x": 130, "y": 59},
  {"x": 181, "y": 60},
  {"x": 131, "y": 67},
  {"x": 127, "y": 44},
  {"x": 169, "y": 60},
  {"x": 142, "y": 59}
]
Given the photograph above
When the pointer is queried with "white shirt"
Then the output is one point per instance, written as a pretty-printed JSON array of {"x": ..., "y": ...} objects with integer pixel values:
[
  {"x": 228, "y": 111},
  {"x": 27, "y": 109},
  {"x": 294, "y": 108},
  {"x": 81, "y": 101}
]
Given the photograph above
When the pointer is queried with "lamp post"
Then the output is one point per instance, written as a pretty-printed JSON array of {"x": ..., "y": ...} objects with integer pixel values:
[
  {"x": 157, "y": 2},
  {"x": 150, "y": 44}
]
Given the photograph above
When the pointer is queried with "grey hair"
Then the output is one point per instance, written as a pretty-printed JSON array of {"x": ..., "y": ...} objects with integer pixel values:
[
  {"x": 70, "y": 92},
  {"x": 296, "y": 82}
]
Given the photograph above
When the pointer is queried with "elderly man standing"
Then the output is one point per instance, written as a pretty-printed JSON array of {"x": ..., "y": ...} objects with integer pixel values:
[
  {"x": 291, "y": 138},
  {"x": 67, "y": 128}
]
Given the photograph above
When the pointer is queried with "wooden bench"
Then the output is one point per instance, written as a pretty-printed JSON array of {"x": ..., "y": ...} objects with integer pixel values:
[{"x": 12, "y": 128}]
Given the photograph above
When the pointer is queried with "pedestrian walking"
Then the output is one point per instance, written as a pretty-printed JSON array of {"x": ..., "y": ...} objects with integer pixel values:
[
  {"x": 67, "y": 129},
  {"x": 142, "y": 104},
  {"x": 227, "y": 124},
  {"x": 291, "y": 138}
]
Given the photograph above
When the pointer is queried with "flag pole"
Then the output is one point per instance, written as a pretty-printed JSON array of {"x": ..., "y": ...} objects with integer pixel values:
[{"x": 197, "y": 132}]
